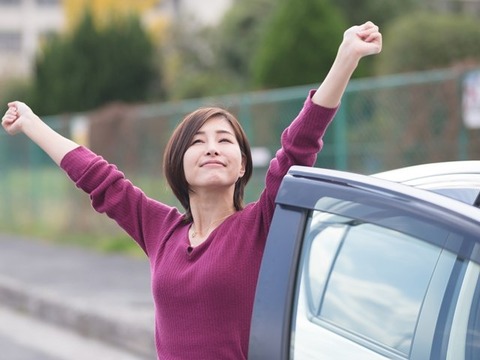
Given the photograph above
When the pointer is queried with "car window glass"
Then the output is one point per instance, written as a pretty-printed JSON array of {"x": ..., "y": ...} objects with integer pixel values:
[
  {"x": 466, "y": 195},
  {"x": 464, "y": 338},
  {"x": 473, "y": 331},
  {"x": 364, "y": 281}
]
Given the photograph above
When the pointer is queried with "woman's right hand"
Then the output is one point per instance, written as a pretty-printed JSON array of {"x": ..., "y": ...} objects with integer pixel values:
[{"x": 17, "y": 116}]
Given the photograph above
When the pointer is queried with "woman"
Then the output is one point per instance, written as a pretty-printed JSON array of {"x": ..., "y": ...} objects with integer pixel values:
[{"x": 204, "y": 262}]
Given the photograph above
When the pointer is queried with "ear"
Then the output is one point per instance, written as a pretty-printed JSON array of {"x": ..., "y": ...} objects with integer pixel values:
[{"x": 242, "y": 168}]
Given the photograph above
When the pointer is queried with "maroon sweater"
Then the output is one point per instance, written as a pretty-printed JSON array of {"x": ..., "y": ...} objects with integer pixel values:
[{"x": 203, "y": 296}]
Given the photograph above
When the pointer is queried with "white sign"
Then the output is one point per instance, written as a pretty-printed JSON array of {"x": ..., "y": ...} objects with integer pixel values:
[
  {"x": 471, "y": 100},
  {"x": 261, "y": 156}
]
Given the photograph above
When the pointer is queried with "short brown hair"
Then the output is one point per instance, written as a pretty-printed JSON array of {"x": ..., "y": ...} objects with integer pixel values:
[{"x": 180, "y": 141}]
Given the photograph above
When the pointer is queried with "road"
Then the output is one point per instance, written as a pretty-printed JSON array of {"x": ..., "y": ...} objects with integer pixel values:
[
  {"x": 106, "y": 296},
  {"x": 25, "y": 338},
  {"x": 12, "y": 350}
]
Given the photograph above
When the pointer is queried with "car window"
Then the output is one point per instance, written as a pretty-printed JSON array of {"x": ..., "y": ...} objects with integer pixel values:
[
  {"x": 472, "y": 341},
  {"x": 463, "y": 336},
  {"x": 466, "y": 195},
  {"x": 362, "y": 285}
]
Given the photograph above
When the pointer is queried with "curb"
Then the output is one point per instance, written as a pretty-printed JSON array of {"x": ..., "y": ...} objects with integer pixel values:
[{"x": 79, "y": 317}]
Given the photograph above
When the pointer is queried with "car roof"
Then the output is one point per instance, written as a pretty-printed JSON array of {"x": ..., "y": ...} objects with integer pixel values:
[{"x": 457, "y": 179}]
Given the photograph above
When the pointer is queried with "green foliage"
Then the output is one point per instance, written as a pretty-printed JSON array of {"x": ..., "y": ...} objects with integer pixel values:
[
  {"x": 427, "y": 41},
  {"x": 216, "y": 60},
  {"x": 381, "y": 12},
  {"x": 299, "y": 44},
  {"x": 189, "y": 64},
  {"x": 197, "y": 84},
  {"x": 237, "y": 36},
  {"x": 94, "y": 66},
  {"x": 13, "y": 89}
]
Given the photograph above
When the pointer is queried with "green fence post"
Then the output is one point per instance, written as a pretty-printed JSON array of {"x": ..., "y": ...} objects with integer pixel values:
[
  {"x": 340, "y": 137},
  {"x": 245, "y": 116}
]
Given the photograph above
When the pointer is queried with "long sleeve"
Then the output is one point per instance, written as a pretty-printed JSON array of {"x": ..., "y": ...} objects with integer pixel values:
[
  {"x": 300, "y": 144},
  {"x": 143, "y": 218}
]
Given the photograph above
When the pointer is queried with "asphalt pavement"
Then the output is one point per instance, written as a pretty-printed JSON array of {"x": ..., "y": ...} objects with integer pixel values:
[
  {"x": 12, "y": 350},
  {"x": 102, "y": 297}
]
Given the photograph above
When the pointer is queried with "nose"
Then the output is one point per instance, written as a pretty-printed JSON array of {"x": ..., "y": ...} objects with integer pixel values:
[
  {"x": 212, "y": 152},
  {"x": 212, "y": 149}
]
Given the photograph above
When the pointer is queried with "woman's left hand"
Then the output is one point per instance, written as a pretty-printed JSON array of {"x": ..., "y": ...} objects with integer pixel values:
[{"x": 363, "y": 40}]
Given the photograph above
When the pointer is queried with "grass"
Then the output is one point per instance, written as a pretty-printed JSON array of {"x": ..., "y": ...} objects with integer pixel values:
[
  {"x": 43, "y": 205},
  {"x": 102, "y": 243}
]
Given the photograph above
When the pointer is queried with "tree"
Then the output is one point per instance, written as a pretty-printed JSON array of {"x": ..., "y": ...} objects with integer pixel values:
[
  {"x": 104, "y": 11},
  {"x": 237, "y": 37},
  {"x": 299, "y": 44},
  {"x": 208, "y": 61},
  {"x": 426, "y": 41},
  {"x": 381, "y": 12},
  {"x": 92, "y": 66}
]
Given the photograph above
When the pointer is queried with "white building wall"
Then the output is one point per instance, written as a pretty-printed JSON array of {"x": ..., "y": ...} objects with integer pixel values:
[
  {"x": 206, "y": 12},
  {"x": 23, "y": 24}
]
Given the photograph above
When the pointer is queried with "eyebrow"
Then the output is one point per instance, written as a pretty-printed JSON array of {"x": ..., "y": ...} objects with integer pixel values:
[{"x": 217, "y": 132}]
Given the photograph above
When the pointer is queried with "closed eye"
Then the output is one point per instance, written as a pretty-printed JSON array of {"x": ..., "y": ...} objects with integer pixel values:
[{"x": 196, "y": 141}]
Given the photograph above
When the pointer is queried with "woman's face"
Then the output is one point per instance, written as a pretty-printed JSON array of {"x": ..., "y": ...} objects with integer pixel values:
[{"x": 214, "y": 158}]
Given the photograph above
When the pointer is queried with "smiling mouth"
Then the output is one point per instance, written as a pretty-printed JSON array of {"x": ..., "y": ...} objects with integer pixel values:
[{"x": 213, "y": 163}]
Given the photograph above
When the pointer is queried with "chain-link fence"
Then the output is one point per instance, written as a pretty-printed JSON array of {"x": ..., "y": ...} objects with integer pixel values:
[{"x": 383, "y": 123}]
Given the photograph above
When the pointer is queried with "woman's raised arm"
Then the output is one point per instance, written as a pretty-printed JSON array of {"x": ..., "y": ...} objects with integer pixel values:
[{"x": 358, "y": 41}]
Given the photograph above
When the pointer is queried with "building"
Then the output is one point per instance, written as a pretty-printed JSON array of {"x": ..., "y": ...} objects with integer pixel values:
[
  {"x": 24, "y": 24},
  {"x": 204, "y": 12}
]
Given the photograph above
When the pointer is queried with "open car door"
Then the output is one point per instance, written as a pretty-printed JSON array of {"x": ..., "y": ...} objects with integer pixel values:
[{"x": 361, "y": 267}]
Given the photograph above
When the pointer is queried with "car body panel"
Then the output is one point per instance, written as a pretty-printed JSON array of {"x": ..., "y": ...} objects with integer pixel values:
[{"x": 457, "y": 179}]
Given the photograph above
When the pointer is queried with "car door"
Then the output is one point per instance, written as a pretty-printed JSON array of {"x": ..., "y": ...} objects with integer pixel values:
[{"x": 359, "y": 267}]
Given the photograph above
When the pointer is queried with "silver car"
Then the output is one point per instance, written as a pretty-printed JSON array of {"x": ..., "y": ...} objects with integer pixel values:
[{"x": 372, "y": 267}]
